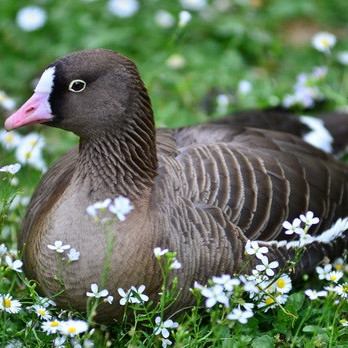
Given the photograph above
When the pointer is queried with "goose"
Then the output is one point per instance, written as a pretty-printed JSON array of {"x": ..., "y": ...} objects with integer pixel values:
[{"x": 202, "y": 191}]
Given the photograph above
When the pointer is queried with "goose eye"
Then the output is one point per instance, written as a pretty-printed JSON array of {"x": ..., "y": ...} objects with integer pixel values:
[{"x": 77, "y": 86}]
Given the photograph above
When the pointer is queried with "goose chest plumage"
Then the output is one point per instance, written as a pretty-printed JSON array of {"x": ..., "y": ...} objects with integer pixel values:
[{"x": 202, "y": 191}]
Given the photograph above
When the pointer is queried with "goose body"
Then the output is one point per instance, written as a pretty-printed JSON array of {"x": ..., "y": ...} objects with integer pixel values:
[{"x": 202, "y": 191}]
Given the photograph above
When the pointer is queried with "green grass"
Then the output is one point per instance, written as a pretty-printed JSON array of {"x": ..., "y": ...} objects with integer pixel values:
[{"x": 264, "y": 42}]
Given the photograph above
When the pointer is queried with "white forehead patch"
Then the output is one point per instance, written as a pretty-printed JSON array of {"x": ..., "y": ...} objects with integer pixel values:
[{"x": 45, "y": 84}]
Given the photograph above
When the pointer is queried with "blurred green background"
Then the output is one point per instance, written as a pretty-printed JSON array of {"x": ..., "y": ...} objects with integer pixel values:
[{"x": 265, "y": 42}]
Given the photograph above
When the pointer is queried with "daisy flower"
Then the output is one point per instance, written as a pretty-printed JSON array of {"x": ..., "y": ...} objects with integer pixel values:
[
  {"x": 9, "y": 140},
  {"x": 283, "y": 284},
  {"x": 31, "y": 18},
  {"x": 50, "y": 326},
  {"x": 164, "y": 19},
  {"x": 342, "y": 290},
  {"x": 8, "y": 305},
  {"x": 334, "y": 276},
  {"x": 72, "y": 327},
  {"x": 42, "y": 312},
  {"x": 342, "y": 57},
  {"x": 323, "y": 42}
]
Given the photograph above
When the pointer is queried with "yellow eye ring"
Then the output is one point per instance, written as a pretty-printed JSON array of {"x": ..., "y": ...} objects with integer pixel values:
[{"x": 77, "y": 86}]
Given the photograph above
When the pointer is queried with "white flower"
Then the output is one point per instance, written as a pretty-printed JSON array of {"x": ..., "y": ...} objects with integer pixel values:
[
  {"x": 8, "y": 305},
  {"x": 59, "y": 342},
  {"x": 338, "y": 264},
  {"x": 309, "y": 218},
  {"x": 3, "y": 249},
  {"x": 305, "y": 239},
  {"x": 215, "y": 294},
  {"x": 58, "y": 246},
  {"x": 42, "y": 312},
  {"x": 72, "y": 327},
  {"x": 164, "y": 19},
  {"x": 159, "y": 252},
  {"x": 30, "y": 154},
  {"x": 175, "y": 264},
  {"x": 241, "y": 316},
  {"x": 342, "y": 290},
  {"x": 162, "y": 327},
  {"x": 73, "y": 255},
  {"x": 313, "y": 294},
  {"x": 11, "y": 168},
  {"x": 244, "y": 87},
  {"x": 342, "y": 57},
  {"x": 184, "y": 18},
  {"x": 50, "y": 326},
  {"x": 283, "y": 284},
  {"x": 176, "y": 61},
  {"x": 227, "y": 282},
  {"x": 31, "y": 18},
  {"x": 344, "y": 322},
  {"x": 125, "y": 296},
  {"x": 267, "y": 267},
  {"x": 267, "y": 301},
  {"x": 194, "y": 5},
  {"x": 138, "y": 294},
  {"x": 166, "y": 342},
  {"x": 334, "y": 276},
  {"x": 109, "y": 299},
  {"x": 14, "y": 265},
  {"x": 323, "y": 272},
  {"x": 323, "y": 41},
  {"x": 222, "y": 102},
  {"x": 92, "y": 210},
  {"x": 95, "y": 293},
  {"x": 9, "y": 140},
  {"x": 121, "y": 207},
  {"x": 294, "y": 227},
  {"x": 6, "y": 102},
  {"x": 123, "y": 8},
  {"x": 252, "y": 248}
]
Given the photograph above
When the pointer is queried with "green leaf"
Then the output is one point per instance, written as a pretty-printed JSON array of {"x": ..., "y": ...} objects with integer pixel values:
[{"x": 264, "y": 341}]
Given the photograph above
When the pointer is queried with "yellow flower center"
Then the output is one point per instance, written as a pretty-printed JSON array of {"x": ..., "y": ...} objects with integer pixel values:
[
  {"x": 28, "y": 155},
  {"x": 281, "y": 283},
  {"x": 42, "y": 312},
  {"x": 9, "y": 138},
  {"x": 54, "y": 323},
  {"x": 72, "y": 329},
  {"x": 269, "y": 300},
  {"x": 345, "y": 288},
  {"x": 33, "y": 142},
  {"x": 338, "y": 267},
  {"x": 7, "y": 303},
  {"x": 325, "y": 42},
  {"x": 333, "y": 277}
]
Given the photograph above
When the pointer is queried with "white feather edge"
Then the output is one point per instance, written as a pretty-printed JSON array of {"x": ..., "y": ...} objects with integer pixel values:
[
  {"x": 319, "y": 136},
  {"x": 45, "y": 84},
  {"x": 334, "y": 232}
]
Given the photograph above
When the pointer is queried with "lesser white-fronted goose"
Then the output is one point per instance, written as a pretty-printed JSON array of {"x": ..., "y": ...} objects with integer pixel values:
[{"x": 201, "y": 191}]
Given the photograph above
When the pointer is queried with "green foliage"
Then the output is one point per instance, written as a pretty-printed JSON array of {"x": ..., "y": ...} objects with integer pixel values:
[{"x": 267, "y": 43}]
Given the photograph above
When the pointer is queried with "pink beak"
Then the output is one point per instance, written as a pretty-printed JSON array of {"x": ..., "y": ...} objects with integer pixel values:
[{"x": 36, "y": 109}]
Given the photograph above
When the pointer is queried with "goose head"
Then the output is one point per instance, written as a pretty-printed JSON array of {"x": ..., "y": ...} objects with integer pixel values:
[{"x": 88, "y": 93}]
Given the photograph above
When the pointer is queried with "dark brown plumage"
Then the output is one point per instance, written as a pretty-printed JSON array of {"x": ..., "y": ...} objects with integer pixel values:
[{"x": 201, "y": 191}]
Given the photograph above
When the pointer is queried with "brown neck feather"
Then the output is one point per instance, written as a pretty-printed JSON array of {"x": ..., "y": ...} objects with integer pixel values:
[{"x": 122, "y": 161}]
